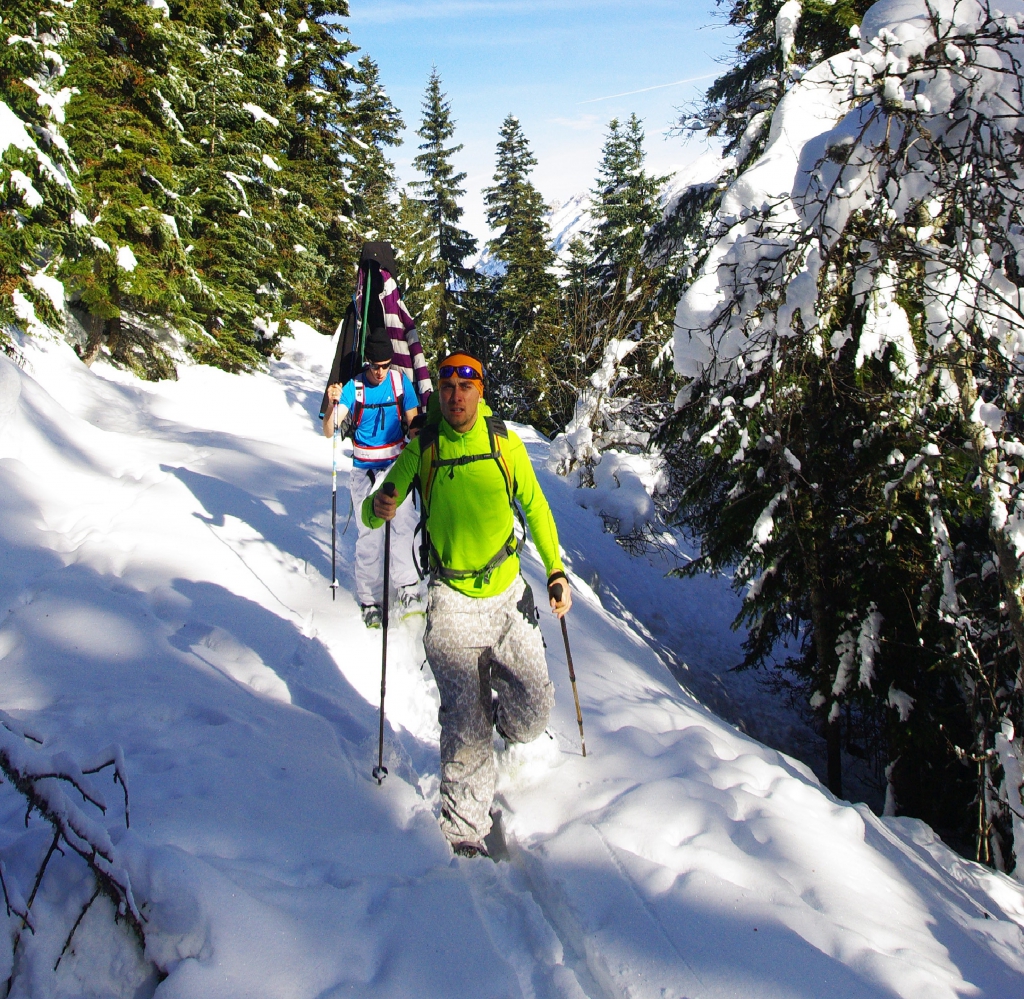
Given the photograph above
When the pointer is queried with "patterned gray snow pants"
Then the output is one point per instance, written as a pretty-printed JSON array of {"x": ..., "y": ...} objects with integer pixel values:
[{"x": 475, "y": 645}]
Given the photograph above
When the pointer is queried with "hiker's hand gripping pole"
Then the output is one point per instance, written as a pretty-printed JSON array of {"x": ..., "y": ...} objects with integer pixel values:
[
  {"x": 555, "y": 590},
  {"x": 380, "y": 771}
]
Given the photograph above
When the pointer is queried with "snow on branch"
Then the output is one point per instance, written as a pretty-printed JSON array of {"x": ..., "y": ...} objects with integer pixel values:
[
  {"x": 47, "y": 783},
  {"x": 864, "y": 287}
]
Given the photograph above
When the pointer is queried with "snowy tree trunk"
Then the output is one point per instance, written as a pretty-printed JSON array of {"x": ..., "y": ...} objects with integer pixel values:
[{"x": 825, "y": 647}]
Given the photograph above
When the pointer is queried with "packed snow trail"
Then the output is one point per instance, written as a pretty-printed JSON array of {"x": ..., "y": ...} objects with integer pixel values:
[{"x": 164, "y": 586}]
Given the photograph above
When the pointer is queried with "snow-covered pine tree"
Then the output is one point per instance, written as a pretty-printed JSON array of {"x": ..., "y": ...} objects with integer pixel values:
[
  {"x": 376, "y": 124},
  {"x": 316, "y": 239},
  {"x": 779, "y": 40},
  {"x": 522, "y": 295},
  {"x": 40, "y": 219},
  {"x": 441, "y": 316},
  {"x": 234, "y": 139},
  {"x": 610, "y": 299},
  {"x": 848, "y": 430},
  {"x": 414, "y": 250},
  {"x": 135, "y": 295}
]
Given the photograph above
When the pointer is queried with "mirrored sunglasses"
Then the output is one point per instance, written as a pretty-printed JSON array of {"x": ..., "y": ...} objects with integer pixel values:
[
  {"x": 462, "y": 370},
  {"x": 378, "y": 367}
]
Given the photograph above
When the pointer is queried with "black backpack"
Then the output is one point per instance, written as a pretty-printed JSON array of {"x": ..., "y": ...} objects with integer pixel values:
[{"x": 349, "y": 356}]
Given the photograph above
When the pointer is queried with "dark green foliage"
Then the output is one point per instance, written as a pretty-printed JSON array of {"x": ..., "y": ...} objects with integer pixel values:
[
  {"x": 122, "y": 129},
  {"x": 523, "y": 294},
  {"x": 444, "y": 271},
  {"x": 229, "y": 210},
  {"x": 625, "y": 206},
  {"x": 781, "y": 477},
  {"x": 314, "y": 178},
  {"x": 848, "y": 483},
  {"x": 37, "y": 200},
  {"x": 414, "y": 249},
  {"x": 612, "y": 292},
  {"x": 230, "y": 159},
  {"x": 376, "y": 123}
]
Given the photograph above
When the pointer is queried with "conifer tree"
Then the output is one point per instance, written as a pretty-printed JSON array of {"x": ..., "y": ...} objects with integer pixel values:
[
  {"x": 376, "y": 123},
  {"x": 849, "y": 441},
  {"x": 771, "y": 53},
  {"x": 235, "y": 134},
  {"x": 793, "y": 511},
  {"x": 625, "y": 206},
  {"x": 611, "y": 295},
  {"x": 445, "y": 272},
  {"x": 523, "y": 293},
  {"x": 40, "y": 219},
  {"x": 316, "y": 240},
  {"x": 776, "y": 46},
  {"x": 123, "y": 126},
  {"x": 414, "y": 249},
  {"x": 230, "y": 163}
]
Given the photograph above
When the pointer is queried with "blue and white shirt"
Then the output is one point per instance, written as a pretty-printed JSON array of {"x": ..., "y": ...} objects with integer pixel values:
[{"x": 378, "y": 410}]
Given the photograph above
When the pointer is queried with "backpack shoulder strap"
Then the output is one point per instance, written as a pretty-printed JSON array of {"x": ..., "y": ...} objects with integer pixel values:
[
  {"x": 497, "y": 432},
  {"x": 399, "y": 394},
  {"x": 428, "y": 467},
  {"x": 496, "y": 426},
  {"x": 429, "y": 436}
]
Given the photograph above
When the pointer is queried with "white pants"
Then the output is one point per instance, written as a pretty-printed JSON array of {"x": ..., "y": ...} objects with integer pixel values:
[{"x": 370, "y": 543}]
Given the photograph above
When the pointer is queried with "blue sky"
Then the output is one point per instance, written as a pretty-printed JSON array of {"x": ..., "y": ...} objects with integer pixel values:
[{"x": 556, "y": 64}]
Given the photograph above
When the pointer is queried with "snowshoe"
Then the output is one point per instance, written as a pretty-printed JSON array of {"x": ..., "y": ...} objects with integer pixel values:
[
  {"x": 372, "y": 615},
  {"x": 411, "y": 602}
]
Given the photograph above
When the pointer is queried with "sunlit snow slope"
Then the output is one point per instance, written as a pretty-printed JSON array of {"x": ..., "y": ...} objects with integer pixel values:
[{"x": 164, "y": 560}]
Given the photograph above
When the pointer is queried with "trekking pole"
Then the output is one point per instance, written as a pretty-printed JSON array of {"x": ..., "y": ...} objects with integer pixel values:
[
  {"x": 366, "y": 313},
  {"x": 572, "y": 673},
  {"x": 380, "y": 771},
  {"x": 334, "y": 506}
]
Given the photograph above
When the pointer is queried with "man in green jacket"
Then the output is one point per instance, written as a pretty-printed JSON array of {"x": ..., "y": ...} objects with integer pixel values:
[{"x": 483, "y": 641}]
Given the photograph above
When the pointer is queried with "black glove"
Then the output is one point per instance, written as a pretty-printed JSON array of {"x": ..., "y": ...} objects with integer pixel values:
[{"x": 555, "y": 585}]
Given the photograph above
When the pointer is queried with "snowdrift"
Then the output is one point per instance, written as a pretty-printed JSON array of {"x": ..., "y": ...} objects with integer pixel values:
[{"x": 164, "y": 560}]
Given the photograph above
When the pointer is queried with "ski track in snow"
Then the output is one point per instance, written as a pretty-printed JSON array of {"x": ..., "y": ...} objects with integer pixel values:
[{"x": 166, "y": 553}]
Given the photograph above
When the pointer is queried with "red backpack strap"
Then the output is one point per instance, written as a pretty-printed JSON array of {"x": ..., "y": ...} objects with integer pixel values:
[{"x": 398, "y": 393}]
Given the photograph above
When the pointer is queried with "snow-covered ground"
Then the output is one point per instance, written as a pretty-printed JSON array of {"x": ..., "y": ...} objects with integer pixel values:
[{"x": 164, "y": 560}]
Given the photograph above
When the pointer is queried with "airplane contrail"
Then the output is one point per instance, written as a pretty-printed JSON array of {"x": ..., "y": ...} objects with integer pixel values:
[{"x": 643, "y": 90}]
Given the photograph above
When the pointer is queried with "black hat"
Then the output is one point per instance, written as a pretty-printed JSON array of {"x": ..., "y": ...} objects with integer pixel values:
[
  {"x": 378, "y": 346},
  {"x": 382, "y": 254}
]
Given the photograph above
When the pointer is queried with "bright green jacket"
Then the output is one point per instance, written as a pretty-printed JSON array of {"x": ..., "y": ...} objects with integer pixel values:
[{"x": 469, "y": 518}]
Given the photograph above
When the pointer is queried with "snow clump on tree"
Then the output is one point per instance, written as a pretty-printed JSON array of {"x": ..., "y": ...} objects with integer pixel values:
[{"x": 850, "y": 413}]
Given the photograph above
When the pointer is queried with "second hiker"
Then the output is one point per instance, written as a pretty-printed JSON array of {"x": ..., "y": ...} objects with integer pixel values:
[
  {"x": 483, "y": 641},
  {"x": 379, "y": 403}
]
